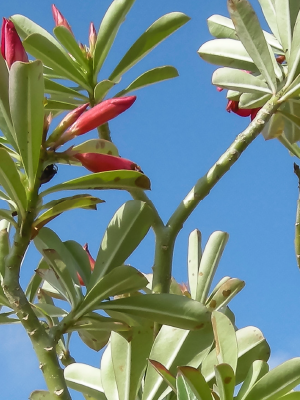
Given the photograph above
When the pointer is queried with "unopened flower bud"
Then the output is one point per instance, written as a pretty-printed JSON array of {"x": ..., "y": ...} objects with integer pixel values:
[
  {"x": 95, "y": 162},
  {"x": 92, "y": 38},
  {"x": 59, "y": 19},
  {"x": 11, "y": 46}
]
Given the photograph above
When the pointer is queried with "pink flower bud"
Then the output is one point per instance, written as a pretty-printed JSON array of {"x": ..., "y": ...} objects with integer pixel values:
[
  {"x": 92, "y": 263},
  {"x": 66, "y": 122},
  {"x": 233, "y": 106},
  {"x": 11, "y": 46},
  {"x": 92, "y": 37},
  {"x": 95, "y": 162},
  {"x": 59, "y": 19}
]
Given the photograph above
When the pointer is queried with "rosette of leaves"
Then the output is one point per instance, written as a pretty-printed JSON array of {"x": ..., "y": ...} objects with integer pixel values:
[
  {"x": 125, "y": 372},
  {"x": 257, "y": 64},
  {"x": 64, "y": 58}
]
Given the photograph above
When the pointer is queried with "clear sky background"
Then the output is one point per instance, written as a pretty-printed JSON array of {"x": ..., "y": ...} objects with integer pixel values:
[{"x": 175, "y": 131}]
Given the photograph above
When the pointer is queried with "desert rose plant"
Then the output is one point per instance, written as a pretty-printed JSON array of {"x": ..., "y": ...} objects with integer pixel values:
[{"x": 162, "y": 340}]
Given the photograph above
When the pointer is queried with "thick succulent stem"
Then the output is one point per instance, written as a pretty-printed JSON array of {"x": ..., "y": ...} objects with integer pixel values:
[{"x": 43, "y": 345}]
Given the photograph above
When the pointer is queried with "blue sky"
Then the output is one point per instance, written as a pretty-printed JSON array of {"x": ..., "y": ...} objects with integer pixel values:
[{"x": 176, "y": 131}]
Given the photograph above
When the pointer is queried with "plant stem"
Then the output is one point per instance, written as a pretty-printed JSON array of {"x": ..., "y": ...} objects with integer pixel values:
[
  {"x": 166, "y": 236},
  {"x": 104, "y": 132},
  {"x": 43, "y": 345}
]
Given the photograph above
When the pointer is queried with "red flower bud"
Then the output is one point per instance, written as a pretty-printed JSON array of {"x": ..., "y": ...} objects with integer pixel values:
[
  {"x": 59, "y": 19},
  {"x": 233, "y": 106},
  {"x": 92, "y": 37},
  {"x": 66, "y": 122},
  {"x": 11, "y": 46},
  {"x": 92, "y": 263},
  {"x": 95, "y": 162}
]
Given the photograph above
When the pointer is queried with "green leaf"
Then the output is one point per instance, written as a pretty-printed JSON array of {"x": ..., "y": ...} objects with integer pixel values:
[
  {"x": 95, "y": 340},
  {"x": 126, "y": 230},
  {"x": 43, "y": 49},
  {"x": 68, "y": 203},
  {"x": 268, "y": 9},
  {"x": 251, "y": 346},
  {"x": 122, "y": 179},
  {"x": 227, "y": 52},
  {"x": 11, "y": 182},
  {"x": 274, "y": 127},
  {"x": 6, "y": 319},
  {"x": 241, "y": 81},
  {"x": 164, "y": 373},
  {"x": 52, "y": 87},
  {"x": 169, "y": 309},
  {"x": 85, "y": 379},
  {"x": 286, "y": 14},
  {"x": 196, "y": 382},
  {"x": 225, "y": 293},
  {"x": 209, "y": 262},
  {"x": 48, "y": 240},
  {"x": 150, "y": 77},
  {"x": 5, "y": 118},
  {"x": 156, "y": 33},
  {"x": 53, "y": 286},
  {"x": 291, "y": 396},
  {"x": 40, "y": 395},
  {"x": 26, "y": 98},
  {"x": 108, "y": 375},
  {"x": 108, "y": 30},
  {"x": 194, "y": 258},
  {"x": 225, "y": 381},
  {"x": 95, "y": 322},
  {"x": 99, "y": 146},
  {"x": 35, "y": 281},
  {"x": 173, "y": 347},
  {"x": 184, "y": 391},
  {"x": 291, "y": 129},
  {"x": 225, "y": 338},
  {"x": 129, "y": 359},
  {"x": 251, "y": 35},
  {"x": 80, "y": 255},
  {"x": 102, "y": 88},
  {"x": 6, "y": 214},
  {"x": 294, "y": 58},
  {"x": 257, "y": 370},
  {"x": 4, "y": 250},
  {"x": 54, "y": 105},
  {"x": 277, "y": 382},
  {"x": 48, "y": 310},
  {"x": 67, "y": 39},
  {"x": 253, "y": 100},
  {"x": 120, "y": 280}
]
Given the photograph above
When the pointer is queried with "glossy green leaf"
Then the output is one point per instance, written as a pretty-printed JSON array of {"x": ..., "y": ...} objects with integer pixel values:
[
  {"x": 233, "y": 95},
  {"x": 291, "y": 117},
  {"x": 277, "y": 382},
  {"x": 35, "y": 281},
  {"x": 6, "y": 319},
  {"x": 209, "y": 262},
  {"x": 6, "y": 214},
  {"x": 108, "y": 375},
  {"x": 223, "y": 28},
  {"x": 81, "y": 257},
  {"x": 52, "y": 87},
  {"x": 194, "y": 258},
  {"x": 150, "y": 77},
  {"x": 123, "y": 279},
  {"x": 54, "y": 105},
  {"x": 47, "y": 239},
  {"x": 95, "y": 340},
  {"x": 274, "y": 127},
  {"x": 53, "y": 286},
  {"x": 48, "y": 310},
  {"x": 241, "y": 81},
  {"x": 96, "y": 322},
  {"x": 225, "y": 293},
  {"x": 108, "y": 30},
  {"x": 4, "y": 250},
  {"x": 257, "y": 370},
  {"x": 253, "y": 100},
  {"x": 164, "y": 373},
  {"x": 251, "y": 346},
  {"x": 156, "y": 33},
  {"x": 67, "y": 39},
  {"x": 169, "y": 309},
  {"x": 66, "y": 204},
  {"x": 5, "y": 118},
  {"x": 102, "y": 88},
  {"x": 11, "y": 182},
  {"x": 184, "y": 391},
  {"x": 291, "y": 396},
  {"x": 225, "y": 338},
  {"x": 99, "y": 146},
  {"x": 228, "y": 53},
  {"x": 26, "y": 98},
  {"x": 40, "y": 395},
  {"x": 196, "y": 382},
  {"x": 225, "y": 381},
  {"x": 85, "y": 379},
  {"x": 216, "y": 288},
  {"x": 251, "y": 35},
  {"x": 130, "y": 359},
  {"x": 174, "y": 347},
  {"x": 122, "y": 179},
  {"x": 43, "y": 49},
  {"x": 291, "y": 130},
  {"x": 124, "y": 233},
  {"x": 268, "y": 9},
  {"x": 286, "y": 14}
]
